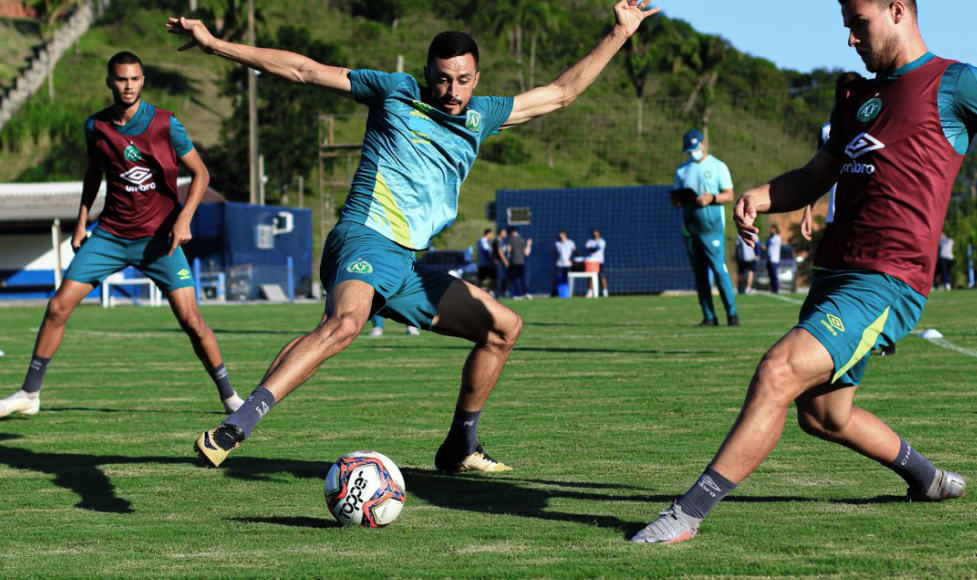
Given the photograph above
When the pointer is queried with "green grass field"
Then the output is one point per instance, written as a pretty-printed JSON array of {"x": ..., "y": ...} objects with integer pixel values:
[{"x": 607, "y": 409}]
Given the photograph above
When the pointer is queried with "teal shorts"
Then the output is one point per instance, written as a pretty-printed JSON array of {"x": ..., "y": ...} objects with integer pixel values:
[
  {"x": 104, "y": 254},
  {"x": 405, "y": 292},
  {"x": 854, "y": 312}
]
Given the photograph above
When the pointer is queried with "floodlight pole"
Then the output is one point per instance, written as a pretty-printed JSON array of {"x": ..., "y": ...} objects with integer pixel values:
[{"x": 252, "y": 113}]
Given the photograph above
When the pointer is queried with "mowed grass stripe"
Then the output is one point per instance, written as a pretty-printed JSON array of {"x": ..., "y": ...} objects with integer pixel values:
[{"x": 608, "y": 409}]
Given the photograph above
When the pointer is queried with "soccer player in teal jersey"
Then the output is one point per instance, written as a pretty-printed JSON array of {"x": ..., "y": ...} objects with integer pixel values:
[
  {"x": 897, "y": 144},
  {"x": 419, "y": 146},
  {"x": 704, "y": 223}
]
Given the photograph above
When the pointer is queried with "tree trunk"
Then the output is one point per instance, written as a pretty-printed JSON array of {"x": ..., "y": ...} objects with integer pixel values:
[
  {"x": 690, "y": 104},
  {"x": 532, "y": 61},
  {"x": 640, "y": 107},
  {"x": 522, "y": 78}
]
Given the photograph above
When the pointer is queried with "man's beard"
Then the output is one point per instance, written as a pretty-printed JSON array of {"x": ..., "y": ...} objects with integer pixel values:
[{"x": 881, "y": 60}]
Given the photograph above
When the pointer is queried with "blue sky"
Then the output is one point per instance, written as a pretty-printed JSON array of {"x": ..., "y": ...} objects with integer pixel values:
[{"x": 807, "y": 34}]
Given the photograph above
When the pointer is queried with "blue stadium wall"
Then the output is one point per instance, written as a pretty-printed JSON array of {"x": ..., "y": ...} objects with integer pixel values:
[
  {"x": 645, "y": 248},
  {"x": 225, "y": 237}
]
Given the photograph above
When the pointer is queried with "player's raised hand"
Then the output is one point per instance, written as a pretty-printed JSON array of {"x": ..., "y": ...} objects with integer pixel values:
[
  {"x": 195, "y": 30},
  {"x": 744, "y": 214},
  {"x": 631, "y": 13}
]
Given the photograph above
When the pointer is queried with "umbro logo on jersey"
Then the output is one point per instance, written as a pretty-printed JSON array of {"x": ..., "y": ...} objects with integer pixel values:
[
  {"x": 137, "y": 175},
  {"x": 862, "y": 144}
]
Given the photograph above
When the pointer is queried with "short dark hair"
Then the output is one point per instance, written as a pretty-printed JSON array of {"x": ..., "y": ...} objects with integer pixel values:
[
  {"x": 911, "y": 4},
  {"x": 451, "y": 44},
  {"x": 487, "y": 231},
  {"x": 513, "y": 230},
  {"x": 124, "y": 57}
]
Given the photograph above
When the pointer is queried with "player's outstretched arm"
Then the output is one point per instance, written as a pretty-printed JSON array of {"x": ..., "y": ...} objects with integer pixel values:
[
  {"x": 788, "y": 192},
  {"x": 288, "y": 65},
  {"x": 573, "y": 81}
]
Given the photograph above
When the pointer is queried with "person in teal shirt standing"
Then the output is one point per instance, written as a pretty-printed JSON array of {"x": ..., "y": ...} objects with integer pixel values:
[{"x": 702, "y": 185}]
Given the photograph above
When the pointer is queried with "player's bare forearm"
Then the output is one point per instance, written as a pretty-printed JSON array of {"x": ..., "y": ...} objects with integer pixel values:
[
  {"x": 288, "y": 65},
  {"x": 574, "y": 81},
  {"x": 200, "y": 179},
  {"x": 789, "y": 192}
]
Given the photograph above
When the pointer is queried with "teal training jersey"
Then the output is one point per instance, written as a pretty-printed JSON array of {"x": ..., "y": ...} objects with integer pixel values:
[
  {"x": 957, "y": 102},
  {"x": 707, "y": 176},
  {"x": 415, "y": 157}
]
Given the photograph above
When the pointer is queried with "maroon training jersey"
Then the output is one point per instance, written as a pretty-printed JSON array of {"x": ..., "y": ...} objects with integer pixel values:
[
  {"x": 894, "y": 188},
  {"x": 140, "y": 177}
]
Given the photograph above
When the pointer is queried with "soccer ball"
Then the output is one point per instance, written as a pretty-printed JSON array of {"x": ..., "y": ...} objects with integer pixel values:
[{"x": 365, "y": 488}]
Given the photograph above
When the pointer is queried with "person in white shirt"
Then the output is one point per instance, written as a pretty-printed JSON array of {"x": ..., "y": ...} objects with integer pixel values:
[
  {"x": 773, "y": 258},
  {"x": 945, "y": 263},
  {"x": 564, "y": 250},
  {"x": 595, "y": 247}
]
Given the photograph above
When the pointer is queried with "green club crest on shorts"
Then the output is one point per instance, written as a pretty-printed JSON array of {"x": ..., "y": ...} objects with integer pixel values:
[
  {"x": 474, "y": 121},
  {"x": 360, "y": 267},
  {"x": 870, "y": 110},
  {"x": 132, "y": 154}
]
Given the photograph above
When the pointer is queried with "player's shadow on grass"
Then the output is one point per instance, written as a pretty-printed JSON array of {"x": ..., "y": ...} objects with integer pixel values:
[{"x": 83, "y": 475}]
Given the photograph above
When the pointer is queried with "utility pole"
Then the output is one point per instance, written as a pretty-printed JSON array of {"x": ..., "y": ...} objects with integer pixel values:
[{"x": 252, "y": 112}]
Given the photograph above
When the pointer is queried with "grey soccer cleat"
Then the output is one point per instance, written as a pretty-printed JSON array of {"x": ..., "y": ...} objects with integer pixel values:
[
  {"x": 672, "y": 526},
  {"x": 946, "y": 485}
]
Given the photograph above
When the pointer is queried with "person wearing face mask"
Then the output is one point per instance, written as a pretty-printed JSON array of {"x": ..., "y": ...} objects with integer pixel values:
[{"x": 702, "y": 185}]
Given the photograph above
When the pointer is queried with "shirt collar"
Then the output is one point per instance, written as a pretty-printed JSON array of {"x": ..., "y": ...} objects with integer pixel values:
[{"x": 908, "y": 67}]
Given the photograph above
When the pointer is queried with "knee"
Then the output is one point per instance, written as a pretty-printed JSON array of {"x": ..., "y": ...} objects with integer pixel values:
[
  {"x": 340, "y": 330},
  {"x": 194, "y": 325},
  {"x": 774, "y": 382},
  {"x": 58, "y": 310},
  {"x": 505, "y": 334}
]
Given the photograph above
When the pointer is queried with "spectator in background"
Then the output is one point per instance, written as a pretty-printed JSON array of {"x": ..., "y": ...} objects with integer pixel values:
[
  {"x": 564, "y": 250},
  {"x": 595, "y": 247},
  {"x": 377, "y": 329},
  {"x": 518, "y": 249},
  {"x": 486, "y": 263},
  {"x": 945, "y": 263},
  {"x": 702, "y": 185},
  {"x": 501, "y": 263},
  {"x": 772, "y": 248},
  {"x": 745, "y": 265}
]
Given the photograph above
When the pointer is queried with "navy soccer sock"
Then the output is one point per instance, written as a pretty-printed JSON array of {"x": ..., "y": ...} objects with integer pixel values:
[
  {"x": 258, "y": 404},
  {"x": 912, "y": 466},
  {"x": 463, "y": 434},
  {"x": 223, "y": 381},
  {"x": 706, "y": 494},
  {"x": 35, "y": 374}
]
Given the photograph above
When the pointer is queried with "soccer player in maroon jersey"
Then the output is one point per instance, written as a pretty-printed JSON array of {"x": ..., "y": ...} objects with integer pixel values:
[
  {"x": 136, "y": 147},
  {"x": 897, "y": 143}
]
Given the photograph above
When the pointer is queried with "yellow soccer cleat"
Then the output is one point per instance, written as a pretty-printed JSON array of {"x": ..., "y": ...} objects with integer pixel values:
[
  {"x": 213, "y": 446},
  {"x": 477, "y": 461}
]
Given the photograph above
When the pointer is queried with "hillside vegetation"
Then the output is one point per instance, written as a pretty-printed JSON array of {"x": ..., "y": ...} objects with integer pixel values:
[{"x": 625, "y": 130}]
